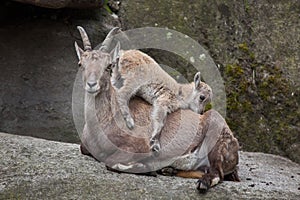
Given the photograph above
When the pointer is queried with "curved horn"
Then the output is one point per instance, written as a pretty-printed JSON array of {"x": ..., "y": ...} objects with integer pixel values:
[
  {"x": 85, "y": 39},
  {"x": 108, "y": 39}
]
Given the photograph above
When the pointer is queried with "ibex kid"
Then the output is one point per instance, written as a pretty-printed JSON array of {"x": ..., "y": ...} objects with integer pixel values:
[{"x": 136, "y": 73}]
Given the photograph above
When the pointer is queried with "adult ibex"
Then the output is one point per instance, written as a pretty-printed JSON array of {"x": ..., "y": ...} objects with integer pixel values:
[
  {"x": 136, "y": 73},
  {"x": 194, "y": 146}
]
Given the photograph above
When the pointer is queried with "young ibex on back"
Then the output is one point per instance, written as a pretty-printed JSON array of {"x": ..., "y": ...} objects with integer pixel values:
[{"x": 136, "y": 73}]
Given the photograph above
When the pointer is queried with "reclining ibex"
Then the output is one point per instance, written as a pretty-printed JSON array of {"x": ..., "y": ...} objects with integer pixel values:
[
  {"x": 194, "y": 146},
  {"x": 136, "y": 73}
]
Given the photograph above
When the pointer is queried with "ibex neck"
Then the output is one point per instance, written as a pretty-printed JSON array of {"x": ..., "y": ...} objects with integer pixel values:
[
  {"x": 184, "y": 93},
  {"x": 100, "y": 104}
]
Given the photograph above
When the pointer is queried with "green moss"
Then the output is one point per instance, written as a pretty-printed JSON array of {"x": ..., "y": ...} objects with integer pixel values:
[
  {"x": 106, "y": 7},
  {"x": 256, "y": 106},
  {"x": 258, "y": 96},
  {"x": 207, "y": 107},
  {"x": 244, "y": 47},
  {"x": 252, "y": 56},
  {"x": 234, "y": 70},
  {"x": 246, "y": 6}
]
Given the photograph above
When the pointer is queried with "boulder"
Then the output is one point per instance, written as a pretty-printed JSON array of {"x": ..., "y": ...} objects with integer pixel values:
[{"x": 34, "y": 168}]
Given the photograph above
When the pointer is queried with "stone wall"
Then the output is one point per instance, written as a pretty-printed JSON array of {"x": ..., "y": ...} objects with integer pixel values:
[{"x": 39, "y": 65}]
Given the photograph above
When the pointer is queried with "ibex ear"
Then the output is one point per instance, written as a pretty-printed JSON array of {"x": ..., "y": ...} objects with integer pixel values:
[
  {"x": 197, "y": 80},
  {"x": 79, "y": 51},
  {"x": 115, "y": 53}
]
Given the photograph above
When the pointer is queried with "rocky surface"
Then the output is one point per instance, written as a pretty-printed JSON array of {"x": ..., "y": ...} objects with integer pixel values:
[{"x": 33, "y": 168}]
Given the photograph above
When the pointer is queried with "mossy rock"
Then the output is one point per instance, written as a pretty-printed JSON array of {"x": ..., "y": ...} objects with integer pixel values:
[{"x": 255, "y": 45}]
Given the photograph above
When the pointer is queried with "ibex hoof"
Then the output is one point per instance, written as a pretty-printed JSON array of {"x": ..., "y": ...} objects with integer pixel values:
[
  {"x": 155, "y": 146},
  {"x": 130, "y": 123},
  {"x": 168, "y": 171},
  {"x": 202, "y": 186}
]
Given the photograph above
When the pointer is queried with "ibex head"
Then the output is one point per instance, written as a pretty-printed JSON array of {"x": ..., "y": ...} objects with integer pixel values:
[
  {"x": 95, "y": 62},
  {"x": 201, "y": 95}
]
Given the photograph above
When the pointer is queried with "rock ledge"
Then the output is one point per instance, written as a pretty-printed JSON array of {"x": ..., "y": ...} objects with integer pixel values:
[{"x": 32, "y": 168}]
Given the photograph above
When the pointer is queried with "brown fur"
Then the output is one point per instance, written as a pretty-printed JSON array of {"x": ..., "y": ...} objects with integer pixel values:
[
  {"x": 132, "y": 58},
  {"x": 223, "y": 158},
  {"x": 183, "y": 137}
]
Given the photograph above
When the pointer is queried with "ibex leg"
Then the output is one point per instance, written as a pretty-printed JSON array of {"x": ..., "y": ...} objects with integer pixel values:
[
  {"x": 159, "y": 115},
  {"x": 123, "y": 98}
]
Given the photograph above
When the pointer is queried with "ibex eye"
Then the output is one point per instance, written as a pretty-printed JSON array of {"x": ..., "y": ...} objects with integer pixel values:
[
  {"x": 79, "y": 64},
  {"x": 202, "y": 97}
]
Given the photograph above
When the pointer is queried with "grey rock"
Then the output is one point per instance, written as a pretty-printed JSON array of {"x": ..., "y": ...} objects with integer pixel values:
[
  {"x": 39, "y": 66},
  {"x": 32, "y": 168}
]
